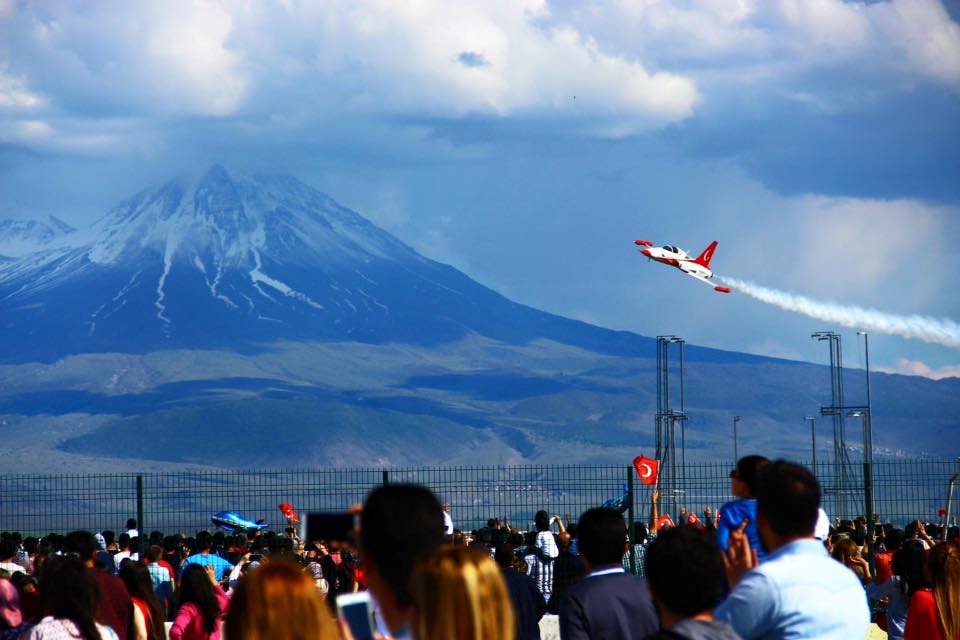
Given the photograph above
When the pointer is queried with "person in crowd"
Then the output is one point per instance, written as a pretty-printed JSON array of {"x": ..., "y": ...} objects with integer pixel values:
[
  {"x": 608, "y": 603},
  {"x": 8, "y": 557},
  {"x": 907, "y": 577},
  {"x": 916, "y": 530},
  {"x": 12, "y": 623},
  {"x": 888, "y": 543},
  {"x": 28, "y": 590},
  {"x": 172, "y": 555},
  {"x": 205, "y": 558},
  {"x": 314, "y": 569},
  {"x": 399, "y": 524},
  {"x": 528, "y": 603},
  {"x": 147, "y": 613},
  {"x": 447, "y": 521},
  {"x": 934, "y": 613},
  {"x": 337, "y": 572},
  {"x": 544, "y": 549},
  {"x": 567, "y": 571},
  {"x": 799, "y": 592},
  {"x": 124, "y": 543},
  {"x": 200, "y": 604},
  {"x": 643, "y": 536},
  {"x": 460, "y": 593},
  {"x": 687, "y": 579},
  {"x": 115, "y": 607},
  {"x": 132, "y": 530},
  {"x": 28, "y": 553},
  {"x": 743, "y": 484},
  {"x": 161, "y": 578},
  {"x": 278, "y": 601},
  {"x": 847, "y": 553},
  {"x": 69, "y": 601}
]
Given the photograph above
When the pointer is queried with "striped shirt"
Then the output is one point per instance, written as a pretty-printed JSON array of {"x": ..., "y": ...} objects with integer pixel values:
[{"x": 541, "y": 570}]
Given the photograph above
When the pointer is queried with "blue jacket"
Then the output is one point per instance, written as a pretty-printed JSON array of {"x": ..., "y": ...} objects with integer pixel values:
[{"x": 731, "y": 515}]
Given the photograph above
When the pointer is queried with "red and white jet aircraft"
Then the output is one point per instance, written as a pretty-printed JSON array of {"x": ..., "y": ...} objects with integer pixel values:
[{"x": 698, "y": 267}]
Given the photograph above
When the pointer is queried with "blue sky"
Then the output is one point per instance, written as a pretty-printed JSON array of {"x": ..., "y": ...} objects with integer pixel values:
[{"x": 529, "y": 142}]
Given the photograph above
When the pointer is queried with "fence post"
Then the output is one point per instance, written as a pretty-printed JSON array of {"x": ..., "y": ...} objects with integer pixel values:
[
  {"x": 386, "y": 477},
  {"x": 140, "y": 527},
  {"x": 630, "y": 527}
]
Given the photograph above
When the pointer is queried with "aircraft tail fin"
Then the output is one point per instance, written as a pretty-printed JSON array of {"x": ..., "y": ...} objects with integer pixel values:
[{"x": 704, "y": 258}]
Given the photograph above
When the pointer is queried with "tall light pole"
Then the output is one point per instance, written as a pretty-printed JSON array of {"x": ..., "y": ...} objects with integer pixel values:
[
  {"x": 867, "y": 475},
  {"x": 736, "y": 444},
  {"x": 868, "y": 426},
  {"x": 813, "y": 440}
]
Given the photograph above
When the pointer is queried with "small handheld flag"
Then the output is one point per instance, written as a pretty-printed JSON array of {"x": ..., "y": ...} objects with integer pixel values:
[
  {"x": 647, "y": 468},
  {"x": 664, "y": 521}
]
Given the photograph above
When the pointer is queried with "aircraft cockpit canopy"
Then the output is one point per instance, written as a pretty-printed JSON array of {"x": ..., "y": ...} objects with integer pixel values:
[{"x": 671, "y": 249}]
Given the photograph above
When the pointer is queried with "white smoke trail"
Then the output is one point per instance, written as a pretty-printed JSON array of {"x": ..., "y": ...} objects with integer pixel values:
[{"x": 937, "y": 331}]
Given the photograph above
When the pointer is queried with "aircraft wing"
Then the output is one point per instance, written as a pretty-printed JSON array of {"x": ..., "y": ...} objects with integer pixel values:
[{"x": 706, "y": 281}]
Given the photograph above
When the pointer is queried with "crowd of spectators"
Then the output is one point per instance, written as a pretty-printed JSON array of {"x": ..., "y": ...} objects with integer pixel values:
[{"x": 766, "y": 565}]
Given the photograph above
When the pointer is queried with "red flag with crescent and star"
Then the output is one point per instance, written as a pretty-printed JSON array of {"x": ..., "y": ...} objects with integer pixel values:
[
  {"x": 288, "y": 511},
  {"x": 647, "y": 468}
]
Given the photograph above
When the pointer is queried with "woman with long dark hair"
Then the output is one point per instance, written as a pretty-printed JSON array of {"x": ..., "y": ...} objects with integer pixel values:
[
  {"x": 147, "y": 614},
  {"x": 200, "y": 605},
  {"x": 908, "y": 569},
  {"x": 69, "y": 597}
]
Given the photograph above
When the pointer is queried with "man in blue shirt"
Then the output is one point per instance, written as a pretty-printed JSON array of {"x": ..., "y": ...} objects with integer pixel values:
[
  {"x": 204, "y": 558},
  {"x": 800, "y": 591}
]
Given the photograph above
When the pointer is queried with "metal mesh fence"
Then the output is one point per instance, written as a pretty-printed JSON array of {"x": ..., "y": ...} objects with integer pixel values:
[{"x": 184, "y": 502}]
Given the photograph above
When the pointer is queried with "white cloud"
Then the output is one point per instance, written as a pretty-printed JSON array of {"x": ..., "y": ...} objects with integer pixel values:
[
  {"x": 14, "y": 95},
  {"x": 750, "y": 41},
  {"x": 260, "y": 59},
  {"x": 917, "y": 368}
]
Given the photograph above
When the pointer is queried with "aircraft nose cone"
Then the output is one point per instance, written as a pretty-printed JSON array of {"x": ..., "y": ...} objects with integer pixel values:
[{"x": 646, "y": 252}]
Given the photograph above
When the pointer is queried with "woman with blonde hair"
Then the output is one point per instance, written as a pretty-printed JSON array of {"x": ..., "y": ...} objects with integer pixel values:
[
  {"x": 934, "y": 614},
  {"x": 459, "y": 593},
  {"x": 279, "y": 601}
]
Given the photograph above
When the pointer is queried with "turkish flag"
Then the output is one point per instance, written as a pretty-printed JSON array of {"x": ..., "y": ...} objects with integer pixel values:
[
  {"x": 288, "y": 511},
  {"x": 647, "y": 469},
  {"x": 664, "y": 521}
]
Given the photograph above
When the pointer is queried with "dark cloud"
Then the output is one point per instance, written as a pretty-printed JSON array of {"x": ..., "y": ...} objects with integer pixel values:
[{"x": 472, "y": 59}]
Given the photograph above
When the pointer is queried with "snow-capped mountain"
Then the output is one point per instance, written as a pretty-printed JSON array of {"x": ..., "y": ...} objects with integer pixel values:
[
  {"x": 236, "y": 261},
  {"x": 20, "y": 237}
]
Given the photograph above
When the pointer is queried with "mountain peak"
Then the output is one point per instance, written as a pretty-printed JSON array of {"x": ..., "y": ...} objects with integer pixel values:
[{"x": 215, "y": 174}]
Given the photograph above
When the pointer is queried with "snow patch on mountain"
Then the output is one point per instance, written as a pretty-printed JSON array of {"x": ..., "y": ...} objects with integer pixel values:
[{"x": 21, "y": 237}]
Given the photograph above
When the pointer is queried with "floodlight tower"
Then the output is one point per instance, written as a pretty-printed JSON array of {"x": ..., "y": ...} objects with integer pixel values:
[
  {"x": 843, "y": 482},
  {"x": 667, "y": 418}
]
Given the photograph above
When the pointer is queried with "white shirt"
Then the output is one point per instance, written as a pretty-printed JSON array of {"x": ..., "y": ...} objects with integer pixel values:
[
  {"x": 12, "y": 567},
  {"x": 51, "y": 628},
  {"x": 822, "y": 529},
  {"x": 447, "y": 524},
  {"x": 117, "y": 559}
]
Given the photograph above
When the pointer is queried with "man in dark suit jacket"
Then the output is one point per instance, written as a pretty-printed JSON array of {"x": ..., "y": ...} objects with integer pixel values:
[
  {"x": 608, "y": 603},
  {"x": 528, "y": 603}
]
